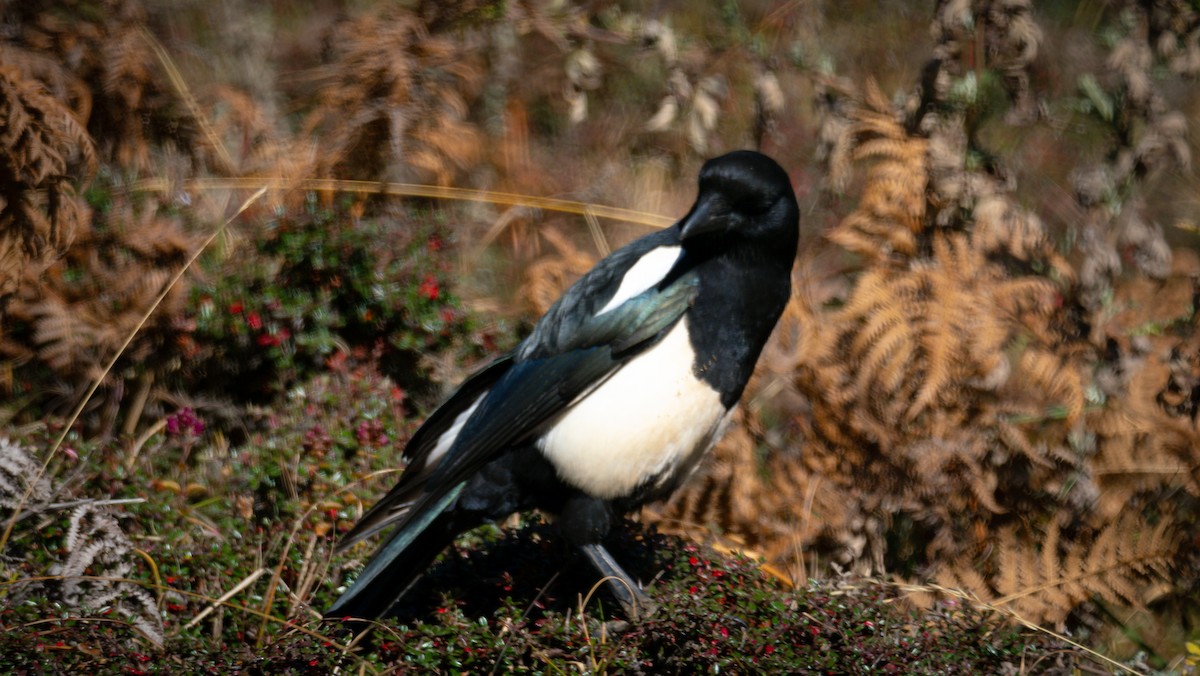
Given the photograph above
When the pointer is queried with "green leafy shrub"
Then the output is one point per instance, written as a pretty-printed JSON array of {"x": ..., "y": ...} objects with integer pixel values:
[
  {"x": 514, "y": 604},
  {"x": 321, "y": 283}
]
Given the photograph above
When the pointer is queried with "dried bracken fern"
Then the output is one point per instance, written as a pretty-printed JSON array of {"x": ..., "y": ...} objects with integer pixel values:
[
  {"x": 949, "y": 371},
  {"x": 549, "y": 276},
  {"x": 924, "y": 333},
  {"x": 95, "y": 575},
  {"x": 105, "y": 49},
  {"x": 1147, "y": 441},
  {"x": 950, "y": 391},
  {"x": 81, "y": 312},
  {"x": 1049, "y": 581},
  {"x": 17, "y": 469},
  {"x": 394, "y": 102},
  {"x": 40, "y": 142},
  {"x": 895, "y": 189},
  {"x": 99, "y": 556}
]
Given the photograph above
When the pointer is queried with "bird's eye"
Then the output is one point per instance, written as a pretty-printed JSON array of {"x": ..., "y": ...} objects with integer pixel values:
[{"x": 754, "y": 205}]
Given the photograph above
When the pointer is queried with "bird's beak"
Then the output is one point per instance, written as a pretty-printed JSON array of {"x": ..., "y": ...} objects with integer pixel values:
[{"x": 707, "y": 215}]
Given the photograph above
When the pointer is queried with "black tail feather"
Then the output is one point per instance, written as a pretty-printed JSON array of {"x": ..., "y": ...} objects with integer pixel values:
[{"x": 398, "y": 564}]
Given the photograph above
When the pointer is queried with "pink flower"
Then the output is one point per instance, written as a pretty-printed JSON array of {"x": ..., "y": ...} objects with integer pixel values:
[
  {"x": 254, "y": 321},
  {"x": 184, "y": 421}
]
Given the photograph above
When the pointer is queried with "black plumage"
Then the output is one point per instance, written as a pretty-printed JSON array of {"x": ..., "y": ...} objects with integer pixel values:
[{"x": 612, "y": 399}]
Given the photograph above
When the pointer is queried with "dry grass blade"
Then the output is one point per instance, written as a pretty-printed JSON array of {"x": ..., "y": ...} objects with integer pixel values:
[
  {"x": 246, "y": 582},
  {"x": 185, "y": 92},
  {"x": 276, "y": 578},
  {"x": 108, "y": 367},
  {"x": 158, "y": 582},
  {"x": 410, "y": 190}
]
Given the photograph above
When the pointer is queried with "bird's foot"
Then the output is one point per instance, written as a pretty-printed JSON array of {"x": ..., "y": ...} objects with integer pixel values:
[
  {"x": 641, "y": 607},
  {"x": 634, "y": 615},
  {"x": 633, "y": 600}
]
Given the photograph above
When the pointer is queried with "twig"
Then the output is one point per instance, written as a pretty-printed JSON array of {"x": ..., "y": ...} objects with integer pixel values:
[
  {"x": 145, "y": 384},
  {"x": 249, "y": 580},
  {"x": 97, "y": 503},
  {"x": 136, "y": 448},
  {"x": 86, "y": 501}
]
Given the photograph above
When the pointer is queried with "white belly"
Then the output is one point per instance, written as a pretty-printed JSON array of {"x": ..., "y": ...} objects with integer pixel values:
[{"x": 652, "y": 418}]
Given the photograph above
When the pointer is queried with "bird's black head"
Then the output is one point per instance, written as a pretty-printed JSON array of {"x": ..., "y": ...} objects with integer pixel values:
[{"x": 743, "y": 195}]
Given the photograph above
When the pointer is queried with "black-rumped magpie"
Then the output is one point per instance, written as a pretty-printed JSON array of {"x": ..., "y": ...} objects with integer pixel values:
[{"x": 611, "y": 401}]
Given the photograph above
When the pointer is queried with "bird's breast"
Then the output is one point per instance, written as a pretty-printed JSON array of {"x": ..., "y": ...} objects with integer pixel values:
[{"x": 649, "y": 422}]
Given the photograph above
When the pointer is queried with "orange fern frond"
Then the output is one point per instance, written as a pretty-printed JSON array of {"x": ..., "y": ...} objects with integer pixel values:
[
  {"x": 1057, "y": 378},
  {"x": 1048, "y": 582}
]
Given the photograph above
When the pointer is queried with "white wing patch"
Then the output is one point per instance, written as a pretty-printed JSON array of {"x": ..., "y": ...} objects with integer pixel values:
[
  {"x": 648, "y": 271},
  {"x": 451, "y": 435},
  {"x": 652, "y": 419}
]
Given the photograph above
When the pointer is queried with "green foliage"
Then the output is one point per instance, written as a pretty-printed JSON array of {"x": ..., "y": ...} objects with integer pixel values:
[{"x": 318, "y": 283}]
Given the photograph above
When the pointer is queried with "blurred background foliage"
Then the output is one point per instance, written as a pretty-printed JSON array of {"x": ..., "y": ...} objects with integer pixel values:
[{"x": 987, "y": 379}]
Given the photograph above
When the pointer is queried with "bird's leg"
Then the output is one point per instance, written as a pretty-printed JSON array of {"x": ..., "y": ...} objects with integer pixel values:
[{"x": 636, "y": 604}]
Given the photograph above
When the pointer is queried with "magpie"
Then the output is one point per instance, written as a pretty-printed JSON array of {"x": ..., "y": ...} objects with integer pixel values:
[{"x": 612, "y": 399}]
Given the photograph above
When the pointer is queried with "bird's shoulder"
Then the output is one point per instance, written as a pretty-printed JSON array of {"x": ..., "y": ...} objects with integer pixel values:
[{"x": 571, "y": 323}]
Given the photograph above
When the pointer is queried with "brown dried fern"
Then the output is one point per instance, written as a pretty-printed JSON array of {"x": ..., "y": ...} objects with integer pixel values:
[
  {"x": 944, "y": 363},
  {"x": 394, "y": 102},
  {"x": 40, "y": 144},
  {"x": 1147, "y": 439},
  {"x": 549, "y": 276},
  {"x": 102, "y": 46},
  {"x": 78, "y": 322},
  {"x": 894, "y": 193},
  {"x": 1115, "y": 563}
]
